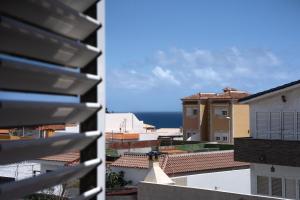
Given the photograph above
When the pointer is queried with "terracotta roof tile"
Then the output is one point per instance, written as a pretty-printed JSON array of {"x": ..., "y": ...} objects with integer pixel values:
[
  {"x": 228, "y": 93},
  {"x": 183, "y": 163},
  {"x": 69, "y": 157}
]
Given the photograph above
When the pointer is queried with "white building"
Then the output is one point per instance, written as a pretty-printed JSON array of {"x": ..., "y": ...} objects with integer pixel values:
[
  {"x": 123, "y": 123},
  {"x": 274, "y": 146}
]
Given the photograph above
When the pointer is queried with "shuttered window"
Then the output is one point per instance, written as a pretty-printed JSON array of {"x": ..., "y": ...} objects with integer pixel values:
[
  {"x": 52, "y": 72},
  {"x": 290, "y": 188},
  {"x": 288, "y": 125},
  {"x": 262, "y": 185},
  {"x": 276, "y": 187},
  {"x": 262, "y": 124},
  {"x": 275, "y": 125},
  {"x": 298, "y": 125}
]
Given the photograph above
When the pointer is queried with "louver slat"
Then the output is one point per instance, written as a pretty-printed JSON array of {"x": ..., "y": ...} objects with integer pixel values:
[
  {"x": 52, "y": 15},
  {"x": 18, "y": 189},
  {"x": 27, "y": 113},
  {"x": 21, "y": 150},
  {"x": 17, "y": 38},
  {"x": 89, "y": 194},
  {"x": 79, "y": 5},
  {"x": 26, "y": 75}
]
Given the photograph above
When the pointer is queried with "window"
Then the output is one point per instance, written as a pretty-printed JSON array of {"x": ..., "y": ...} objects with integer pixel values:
[
  {"x": 262, "y": 124},
  {"x": 191, "y": 112},
  {"x": 221, "y": 111},
  {"x": 290, "y": 188},
  {"x": 218, "y": 138},
  {"x": 262, "y": 185},
  {"x": 224, "y": 112},
  {"x": 288, "y": 123},
  {"x": 275, "y": 123},
  {"x": 276, "y": 188},
  {"x": 224, "y": 138},
  {"x": 195, "y": 111}
]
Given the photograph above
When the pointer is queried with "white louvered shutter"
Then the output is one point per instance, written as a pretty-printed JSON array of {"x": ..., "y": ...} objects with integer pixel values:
[
  {"x": 263, "y": 125},
  {"x": 288, "y": 126}
]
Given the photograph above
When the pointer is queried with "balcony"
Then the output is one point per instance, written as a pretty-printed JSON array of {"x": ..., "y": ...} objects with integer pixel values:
[{"x": 264, "y": 151}]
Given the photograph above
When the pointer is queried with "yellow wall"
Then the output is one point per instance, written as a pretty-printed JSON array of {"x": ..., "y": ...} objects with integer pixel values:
[{"x": 241, "y": 120}]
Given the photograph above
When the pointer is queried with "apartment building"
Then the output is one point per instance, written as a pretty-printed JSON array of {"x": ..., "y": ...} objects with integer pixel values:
[
  {"x": 273, "y": 148},
  {"x": 215, "y": 116}
]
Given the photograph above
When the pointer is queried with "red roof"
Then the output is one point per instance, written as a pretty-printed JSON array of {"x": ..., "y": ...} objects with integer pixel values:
[
  {"x": 183, "y": 163},
  {"x": 228, "y": 93},
  {"x": 71, "y": 158}
]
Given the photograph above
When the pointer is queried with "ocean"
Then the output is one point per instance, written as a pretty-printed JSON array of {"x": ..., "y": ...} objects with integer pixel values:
[{"x": 161, "y": 119}]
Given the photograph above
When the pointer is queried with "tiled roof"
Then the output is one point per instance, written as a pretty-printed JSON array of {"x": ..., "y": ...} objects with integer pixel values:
[
  {"x": 183, "y": 163},
  {"x": 4, "y": 131},
  {"x": 70, "y": 157},
  {"x": 228, "y": 93}
]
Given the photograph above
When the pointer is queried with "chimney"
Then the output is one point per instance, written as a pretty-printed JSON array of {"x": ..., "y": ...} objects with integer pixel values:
[{"x": 155, "y": 173}]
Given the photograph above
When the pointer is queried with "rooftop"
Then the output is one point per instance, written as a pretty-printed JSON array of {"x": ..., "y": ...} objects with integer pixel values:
[
  {"x": 228, "y": 93},
  {"x": 183, "y": 163},
  {"x": 70, "y": 158},
  {"x": 271, "y": 91}
]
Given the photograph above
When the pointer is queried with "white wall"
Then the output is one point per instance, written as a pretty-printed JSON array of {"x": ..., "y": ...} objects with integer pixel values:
[
  {"x": 20, "y": 170},
  {"x": 132, "y": 174},
  {"x": 274, "y": 104},
  {"x": 134, "y": 150},
  {"x": 147, "y": 136},
  {"x": 283, "y": 172},
  {"x": 128, "y": 122},
  {"x": 237, "y": 181}
]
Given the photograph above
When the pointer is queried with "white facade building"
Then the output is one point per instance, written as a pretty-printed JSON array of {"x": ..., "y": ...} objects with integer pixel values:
[
  {"x": 123, "y": 123},
  {"x": 275, "y": 130}
]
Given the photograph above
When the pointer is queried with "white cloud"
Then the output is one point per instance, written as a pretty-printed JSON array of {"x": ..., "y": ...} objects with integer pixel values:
[
  {"x": 165, "y": 75},
  {"x": 202, "y": 69}
]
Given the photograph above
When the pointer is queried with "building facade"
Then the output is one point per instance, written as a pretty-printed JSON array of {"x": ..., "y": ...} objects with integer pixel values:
[
  {"x": 273, "y": 148},
  {"x": 215, "y": 116}
]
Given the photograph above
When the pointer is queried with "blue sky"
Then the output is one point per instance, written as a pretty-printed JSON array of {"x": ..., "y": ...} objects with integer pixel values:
[{"x": 159, "y": 51}]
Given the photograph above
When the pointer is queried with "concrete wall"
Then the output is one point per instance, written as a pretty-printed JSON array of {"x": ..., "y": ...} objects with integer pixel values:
[
  {"x": 182, "y": 180},
  {"x": 132, "y": 174},
  {"x": 222, "y": 181},
  {"x": 121, "y": 197},
  {"x": 266, "y": 151},
  {"x": 241, "y": 120},
  {"x": 150, "y": 191}
]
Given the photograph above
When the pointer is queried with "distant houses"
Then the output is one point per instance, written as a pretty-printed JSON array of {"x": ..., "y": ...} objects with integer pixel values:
[{"x": 215, "y": 117}]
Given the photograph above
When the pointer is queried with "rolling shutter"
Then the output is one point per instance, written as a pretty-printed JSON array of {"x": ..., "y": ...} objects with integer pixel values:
[{"x": 51, "y": 72}]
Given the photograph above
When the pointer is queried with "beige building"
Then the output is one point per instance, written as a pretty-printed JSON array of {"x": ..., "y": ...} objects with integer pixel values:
[{"x": 215, "y": 116}]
